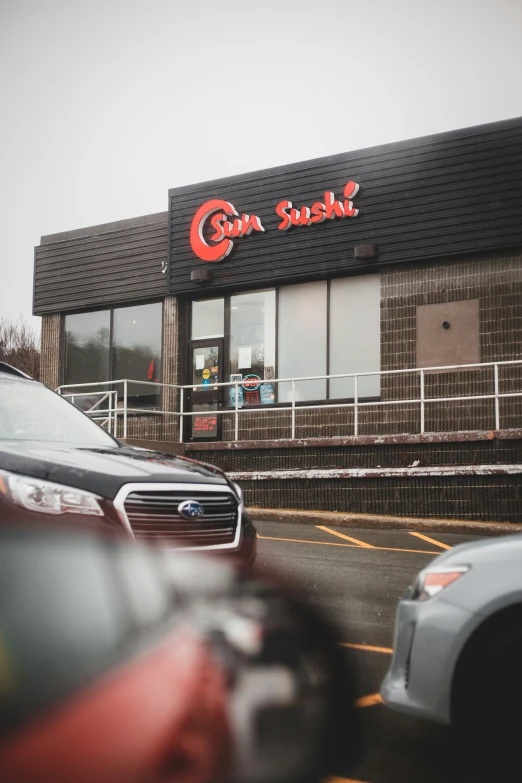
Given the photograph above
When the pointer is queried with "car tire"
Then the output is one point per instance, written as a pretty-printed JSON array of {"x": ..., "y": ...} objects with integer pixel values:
[{"x": 487, "y": 695}]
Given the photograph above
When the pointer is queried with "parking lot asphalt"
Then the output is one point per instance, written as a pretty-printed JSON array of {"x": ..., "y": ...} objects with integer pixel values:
[{"x": 356, "y": 577}]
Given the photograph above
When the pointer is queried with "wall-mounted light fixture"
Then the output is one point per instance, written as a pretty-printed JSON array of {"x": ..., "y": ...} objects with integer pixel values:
[
  {"x": 366, "y": 252},
  {"x": 201, "y": 276}
]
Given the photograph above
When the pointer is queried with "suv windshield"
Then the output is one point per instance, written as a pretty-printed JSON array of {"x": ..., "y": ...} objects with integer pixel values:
[{"x": 30, "y": 411}]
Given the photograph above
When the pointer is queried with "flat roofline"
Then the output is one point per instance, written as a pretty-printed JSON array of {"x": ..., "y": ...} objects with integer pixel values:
[
  {"x": 105, "y": 228},
  {"x": 381, "y": 149}
]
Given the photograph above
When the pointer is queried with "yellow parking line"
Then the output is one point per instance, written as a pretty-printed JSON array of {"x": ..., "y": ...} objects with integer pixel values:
[
  {"x": 368, "y": 701},
  {"x": 349, "y": 546},
  {"x": 367, "y": 647},
  {"x": 304, "y": 541},
  {"x": 348, "y": 538},
  {"x": 431, "y": 540}
]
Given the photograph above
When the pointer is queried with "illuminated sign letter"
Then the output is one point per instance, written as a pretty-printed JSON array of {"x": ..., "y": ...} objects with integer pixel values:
[
  {"x": 350, "y": 190},
  {"x": 318, "y": 212},
  {"x": 197, "y": 241},
  {"x": 282, "y": 210},
  {"x": 333, "y": 208},
  {"x": 224, "y": 230}
]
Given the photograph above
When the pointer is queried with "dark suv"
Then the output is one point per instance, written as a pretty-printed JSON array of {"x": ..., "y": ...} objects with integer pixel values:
[{"x": 55, "y": 462}]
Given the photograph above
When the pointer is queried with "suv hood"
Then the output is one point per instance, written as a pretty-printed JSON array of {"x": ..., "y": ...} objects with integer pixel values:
[{"x": 102, "y": 470}]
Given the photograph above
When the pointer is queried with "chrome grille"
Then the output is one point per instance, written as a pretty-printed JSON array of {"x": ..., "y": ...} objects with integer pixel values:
[{"x": 153, "y": 514}]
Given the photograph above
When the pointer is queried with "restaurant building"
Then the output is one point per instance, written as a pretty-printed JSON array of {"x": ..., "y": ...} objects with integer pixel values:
[{"x": 390, "y": 260}]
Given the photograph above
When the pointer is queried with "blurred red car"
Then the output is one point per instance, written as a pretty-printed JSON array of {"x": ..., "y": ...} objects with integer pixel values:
[
  {"x": 127, "y": 664},
  {"x": 98, "y": 680}
]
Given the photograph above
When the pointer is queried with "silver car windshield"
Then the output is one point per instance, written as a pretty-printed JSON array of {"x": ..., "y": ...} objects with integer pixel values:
[{"x": 30, "y": 411}]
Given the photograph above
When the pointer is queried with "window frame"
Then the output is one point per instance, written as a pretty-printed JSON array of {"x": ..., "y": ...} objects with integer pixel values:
[
  {"x": 63, "y": 347},
  {"x": 226, "y": 338},
  {"x": 62, "y": 359}
]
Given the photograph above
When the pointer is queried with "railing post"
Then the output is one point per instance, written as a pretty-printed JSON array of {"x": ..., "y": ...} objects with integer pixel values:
[
  {"x": 355, "y": 406},
  {"x": 422, "y": 401},
  {"x": 115, "y": 433},
  {"x": 125, "y": 408},
  {"x": 236, "y": 414},
  {"x": 181, "y": 417},
  {"x": 497, "y": 405},
  {"x": 293, "y": 409}
]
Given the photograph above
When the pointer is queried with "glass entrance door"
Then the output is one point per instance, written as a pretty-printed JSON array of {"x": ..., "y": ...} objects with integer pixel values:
[{"x": 205, "y": 370}]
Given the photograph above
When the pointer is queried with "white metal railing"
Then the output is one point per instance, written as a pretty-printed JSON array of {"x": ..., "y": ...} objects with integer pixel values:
[
  {"x": 105, "y": 417},
  {"x": 120, "y": 409}
]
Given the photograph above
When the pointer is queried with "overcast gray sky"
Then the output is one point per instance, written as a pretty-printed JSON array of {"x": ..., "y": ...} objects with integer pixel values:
[{"x": 105, "y": 104}]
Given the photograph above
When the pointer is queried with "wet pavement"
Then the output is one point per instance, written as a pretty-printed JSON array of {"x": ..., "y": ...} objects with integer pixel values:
[{"x": 357, "y": 578}]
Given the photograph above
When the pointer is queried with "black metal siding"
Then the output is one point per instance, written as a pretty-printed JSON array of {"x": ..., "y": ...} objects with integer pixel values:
[
  {"x": 432, "y": 197},
  {"x": 104, "y": 265}
]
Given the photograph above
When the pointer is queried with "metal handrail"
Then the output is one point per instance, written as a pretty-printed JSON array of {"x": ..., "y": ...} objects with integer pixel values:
[
  {"x": 357, "y": 403},
  {"x": 107, "y": 416}
]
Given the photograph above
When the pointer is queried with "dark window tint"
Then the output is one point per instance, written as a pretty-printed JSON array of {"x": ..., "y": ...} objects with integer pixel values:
[
  {"x": 87, "y": 340},
  {"x": 137, "y": 351}
]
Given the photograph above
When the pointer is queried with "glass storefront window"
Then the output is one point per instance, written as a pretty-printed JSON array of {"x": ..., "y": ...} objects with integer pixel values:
[
  {"x": 208, "y": 319},
  {"x": 137, "y": 351},
  {"x": 87, "y": 338},
  {"x": 253, "y": 346},
  {"x": 302, "y": 331},
  {"x": 355, "y": 338},
  {"x": 87, "y": 347}
]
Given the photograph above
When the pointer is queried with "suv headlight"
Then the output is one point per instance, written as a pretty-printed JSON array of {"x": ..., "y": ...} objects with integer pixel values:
[
  {"x": 430, "y": 583},
  {"x": 46, "y": 497}
]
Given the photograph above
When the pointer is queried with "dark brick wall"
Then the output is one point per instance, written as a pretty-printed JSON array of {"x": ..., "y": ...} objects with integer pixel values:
[
  {"x": 490, "y": 452},
  {"x": 151, "y": 427},
  {"x": 486, "y": 498},
  {"x": 479, "y": 497},
  {"x": 50, "y": 350},
  {"x": 495, "y": 279}
]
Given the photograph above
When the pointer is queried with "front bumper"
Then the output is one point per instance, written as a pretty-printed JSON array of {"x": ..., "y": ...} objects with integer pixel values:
[
  {"x": 246, "y": 551},
  {"x": 429, "y": 636}
]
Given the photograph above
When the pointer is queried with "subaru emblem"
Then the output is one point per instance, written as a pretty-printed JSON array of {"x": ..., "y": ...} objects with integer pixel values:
[{"x": 190, "y": 509}]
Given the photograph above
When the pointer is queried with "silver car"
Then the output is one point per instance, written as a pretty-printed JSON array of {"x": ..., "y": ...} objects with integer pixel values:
[{"x": 457, "y": 653}]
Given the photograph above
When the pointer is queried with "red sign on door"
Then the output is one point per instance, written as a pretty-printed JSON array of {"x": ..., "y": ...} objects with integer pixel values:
[{"x": 204, "y": 426}]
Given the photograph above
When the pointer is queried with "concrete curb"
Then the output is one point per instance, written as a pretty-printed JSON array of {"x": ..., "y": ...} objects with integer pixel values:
[
  {"x": 349, "y": 473},
  {"x": 371, "y": 521}
]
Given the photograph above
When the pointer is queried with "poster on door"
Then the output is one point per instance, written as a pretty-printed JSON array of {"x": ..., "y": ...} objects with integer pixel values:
[
  {"x": 204, "y": 426},
  {"x": 235, "y": 378}
]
